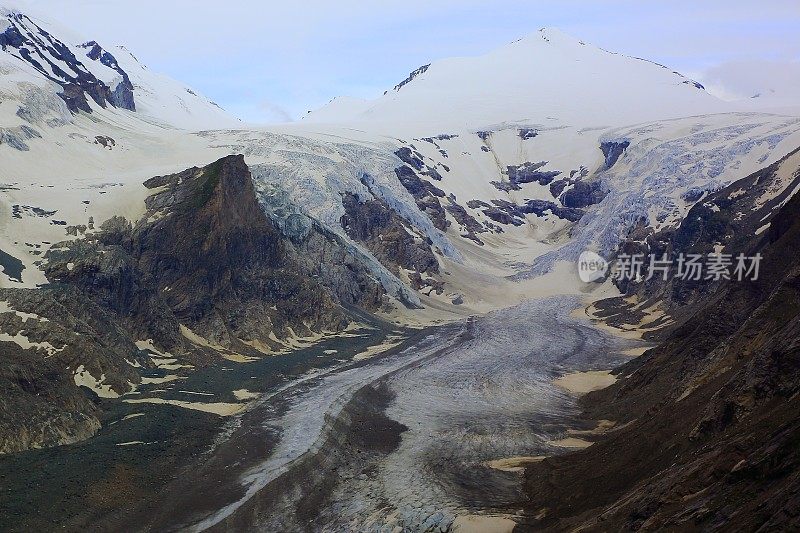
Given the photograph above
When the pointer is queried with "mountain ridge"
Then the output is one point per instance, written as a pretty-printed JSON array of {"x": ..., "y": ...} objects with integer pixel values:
[{"x": 548, "y": 63}]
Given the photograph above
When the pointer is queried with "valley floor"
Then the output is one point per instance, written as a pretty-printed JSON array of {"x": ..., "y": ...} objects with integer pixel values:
[{"x": 424, "y": 435}]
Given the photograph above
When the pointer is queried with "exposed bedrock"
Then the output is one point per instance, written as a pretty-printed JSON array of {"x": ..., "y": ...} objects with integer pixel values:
[
  {"x": 612, "y": 150},
  {"x": 204, "y": 262},
  {"x": 583, "y": 194},
  {"x": 386, "y": 235},
  {"x": 730, "y": 460},
  {"x": 54, "y": 60}
]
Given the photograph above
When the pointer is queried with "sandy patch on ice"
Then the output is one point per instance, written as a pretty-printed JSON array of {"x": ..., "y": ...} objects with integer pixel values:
[
  {"x": 217, "y": 408},
  {"x": 603, "y": 426},
  {"x": 391, "y": 341},
  {"x": 244, "y": 394},
  {"x": 482, "y": 524},
  {"x": 583, "y": 382},
  {"x": 570, "y": 442},
  {"x": 514, "y": 464},
  {"x": 164, "y": 379}
]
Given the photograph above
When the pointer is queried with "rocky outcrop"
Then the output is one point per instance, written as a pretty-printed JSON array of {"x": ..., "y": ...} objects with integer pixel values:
[
  {"x": 612, "y": 151},
  {"x": 427, "y": 196},
  {"x": 707, "y": 421},
  {"x": 204, "y": 270},
  {"x": 52, "y": 58},
  {"x": 509, "y": 213},
  {"x": 387, "y": 237},
  {"x": 53, "y": 338},
  {"x": 733, "y": 220},
  {"x": 122, "y": 94},
  {"x": 205, "y": 253},
  {"x": 526, "y": 173},
  {"x": 583, "y": 194},
  {"x": 411, "y": 76}
]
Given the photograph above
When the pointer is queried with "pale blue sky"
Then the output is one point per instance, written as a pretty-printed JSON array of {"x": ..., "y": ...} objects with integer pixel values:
[{"x": 264, "y": 60}]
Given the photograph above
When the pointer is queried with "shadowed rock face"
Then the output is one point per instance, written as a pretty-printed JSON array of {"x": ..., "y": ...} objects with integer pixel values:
[
  {"x": 612, "y": 150},
  {"x": 712, "y": 436},
  {"x": 426, "y": 194},
  {"x": 122, "y": 95},
  {"x": 52, "y": 58},
  {"x": 731, "y": 217},
  {"x": 526, "y": 173},
  {"x": 41, "y": 405},
  {"x": 206, "y": 253},
  {"x": 375, "y": 224},
  {"x": 204, "y": 256},
  {"x": 583, "y": 194}
]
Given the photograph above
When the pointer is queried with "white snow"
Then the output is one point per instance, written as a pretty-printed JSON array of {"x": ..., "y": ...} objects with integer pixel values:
[
  {"x": 5, "y": 307},
  {"x": 25, "y": 343},
  {"x": 573, "y": 95},
  {"x": 83, "y": 378},
  {"x": 547, "y": 78}
]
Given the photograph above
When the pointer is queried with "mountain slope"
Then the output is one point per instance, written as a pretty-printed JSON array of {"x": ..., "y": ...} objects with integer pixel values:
[
  {"x": 547, "y": 78},
  {"x": 707, "y": 432},
  {"x": 204, "y": 276},
  {"x": 92, "y": 77}
]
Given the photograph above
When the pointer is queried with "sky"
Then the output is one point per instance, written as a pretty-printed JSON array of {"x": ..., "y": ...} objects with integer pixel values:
[{"x": 268, "y": 61}]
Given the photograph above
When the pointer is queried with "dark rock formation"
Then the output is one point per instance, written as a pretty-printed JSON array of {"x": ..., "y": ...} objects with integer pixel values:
[
  {"x": 410, "y": 78},
  {"x": 468, "y": 223},
  {"x": 425, "y": 285},
  {"x": 41, "y": 405},
  {"x": 526, "y": 173},
  {"x": 54, "y": 60},
  {"x": 386, "y": 235},
  {"x": 205, "y": 253},
  {"x": 583, "y": 194},
  {"x": 427, "y": 195},
  {"x": 105, "y": 141},
  {"x": 122, "y": 95},
  {"x": 557, "y": 187},
  {"x": 612, "y": 150},
  {"x": 204, "y": 256},
  {"x": 509, "y": 213},
  {"x": 725, "y": 217},
  {"x": 707, "y": 422}
]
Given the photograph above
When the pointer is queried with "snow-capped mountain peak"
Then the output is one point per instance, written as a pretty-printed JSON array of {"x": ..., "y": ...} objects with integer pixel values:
[
  {"x": 91, "y": 76},
  {"x": 547, "y": 77}
]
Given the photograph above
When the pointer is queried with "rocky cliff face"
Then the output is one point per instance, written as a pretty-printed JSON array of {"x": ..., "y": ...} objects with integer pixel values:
[
  {"x": 26, "y": 40},
  {"x": 707, "y": 432},
  {"x": 732, "y": 220},
  {"x": 55, "y": 338},
  {"x": 203, "y": 271},
  {"x": 204, "y": 255},
  {"x": 386, "y": 235}
]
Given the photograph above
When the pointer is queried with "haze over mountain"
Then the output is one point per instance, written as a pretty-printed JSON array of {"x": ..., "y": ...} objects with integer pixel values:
[
  {"x": 546, "y": 78},
  {"x": 313, "y": 317}
]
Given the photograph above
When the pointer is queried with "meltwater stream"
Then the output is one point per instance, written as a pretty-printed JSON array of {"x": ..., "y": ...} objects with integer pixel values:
[{"x": 403, "y": 440}]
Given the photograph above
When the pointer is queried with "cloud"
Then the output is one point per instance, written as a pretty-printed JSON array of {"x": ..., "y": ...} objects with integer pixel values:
[
  {"x": 777, "y": 81},
  {"x": 274, "y": 113}
]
